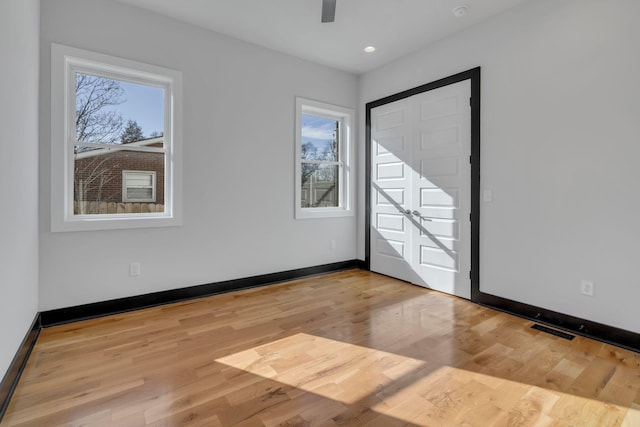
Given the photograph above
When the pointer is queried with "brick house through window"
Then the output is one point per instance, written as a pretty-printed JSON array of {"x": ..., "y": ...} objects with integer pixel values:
[{"x": 120, "y": 174}]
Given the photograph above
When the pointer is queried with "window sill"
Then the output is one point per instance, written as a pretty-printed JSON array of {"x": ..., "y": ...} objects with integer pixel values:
[
  {"x": 313, "y": 213},
  {"x": 99, "y": 222}
]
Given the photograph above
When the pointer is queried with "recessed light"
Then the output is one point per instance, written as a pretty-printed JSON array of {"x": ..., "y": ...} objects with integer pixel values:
[
  {"x": 369, "y": 49},
  {"x": 460, "y": 11}
]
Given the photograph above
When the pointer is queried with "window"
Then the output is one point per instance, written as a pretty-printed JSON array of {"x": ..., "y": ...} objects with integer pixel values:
[
  {"x": 138, "y": 186},
  {"x": 115, "y": 142},
  {"x": 323, "y": 152}
]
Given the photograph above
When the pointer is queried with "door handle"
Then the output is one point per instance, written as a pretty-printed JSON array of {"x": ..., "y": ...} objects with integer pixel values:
[
  {"x": 406, "y": 211},
  {"x": 416, "y": 213}
]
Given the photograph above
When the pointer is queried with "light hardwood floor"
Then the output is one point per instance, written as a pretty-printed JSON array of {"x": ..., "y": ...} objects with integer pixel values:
[{"x": 348, "y": 348}]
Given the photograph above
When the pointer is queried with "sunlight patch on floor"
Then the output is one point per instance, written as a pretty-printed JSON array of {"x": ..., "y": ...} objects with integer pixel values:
[
  {"x": 406, "y": 389},
  {"x": 312, "y": 363}
]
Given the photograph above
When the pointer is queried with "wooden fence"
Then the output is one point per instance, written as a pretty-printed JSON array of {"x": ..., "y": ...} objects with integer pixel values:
[{"x": 94, "y": 208}]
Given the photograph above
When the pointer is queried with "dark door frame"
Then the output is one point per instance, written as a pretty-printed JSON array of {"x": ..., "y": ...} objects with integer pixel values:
[{"x": 474, "y": 76}]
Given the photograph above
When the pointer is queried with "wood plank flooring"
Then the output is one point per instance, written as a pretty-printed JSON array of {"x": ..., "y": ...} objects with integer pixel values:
[{"x": 344, "y": 349}]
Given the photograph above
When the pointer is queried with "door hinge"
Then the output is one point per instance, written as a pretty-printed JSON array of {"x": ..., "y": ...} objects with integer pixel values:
[
  {"x": 469, "y": 159},
  {"x": 470, "y": 102},
  {"x": 470, "y": 217},
  {"x": 469, "y": 274}
]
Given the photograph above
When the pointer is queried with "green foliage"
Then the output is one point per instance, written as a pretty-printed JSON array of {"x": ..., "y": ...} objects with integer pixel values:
[{"x": 131, "y": 133}]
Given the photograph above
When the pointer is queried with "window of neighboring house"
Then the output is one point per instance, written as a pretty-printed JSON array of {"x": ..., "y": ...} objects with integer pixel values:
[
  {"x": 115, "y": 143},
  {"x": 138, "y": 186},
  {"x": 323, "y": 153}
]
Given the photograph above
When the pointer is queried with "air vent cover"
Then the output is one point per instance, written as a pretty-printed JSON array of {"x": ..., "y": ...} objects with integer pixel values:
[{"x": 553, "y": 332}]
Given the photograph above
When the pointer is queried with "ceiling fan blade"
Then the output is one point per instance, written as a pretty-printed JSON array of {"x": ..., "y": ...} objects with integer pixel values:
[{"x": 328, "y": 10}]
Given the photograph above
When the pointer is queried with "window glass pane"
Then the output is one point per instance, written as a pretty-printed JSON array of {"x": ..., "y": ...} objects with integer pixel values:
[
  {"x": 98, "y": 181},
  {"x": 114, "y": 111},
  {"x": 141, "y": 194},
  {"x": 139, "y": 179},
  {"x": 319, "y": 138},
  {"x": 319, "y": 185}
]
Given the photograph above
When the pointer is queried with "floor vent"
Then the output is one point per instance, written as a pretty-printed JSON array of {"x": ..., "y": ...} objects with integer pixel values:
[{"x": 553, "y": 332}]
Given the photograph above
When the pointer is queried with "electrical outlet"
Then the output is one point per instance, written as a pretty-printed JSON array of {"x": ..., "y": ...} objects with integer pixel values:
[
  {"x": 586, "y": 287},
  {"x": 134, "y": 269}
]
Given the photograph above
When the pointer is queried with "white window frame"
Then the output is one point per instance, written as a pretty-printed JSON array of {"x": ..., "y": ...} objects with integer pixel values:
[
  {"x": 65, "y": 63},
  {"x": 345, "y": 156},
  {"x": 125, "y": 174}
]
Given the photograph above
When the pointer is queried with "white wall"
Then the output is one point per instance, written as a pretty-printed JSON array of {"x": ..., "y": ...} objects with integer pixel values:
[
  {"x": 238, "y": 171},
  {"x": 559, "y": 148},
  {"x": 19, "y": 31}
]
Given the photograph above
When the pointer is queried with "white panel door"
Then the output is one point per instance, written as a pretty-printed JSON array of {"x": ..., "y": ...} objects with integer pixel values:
[
  {"x": 437, "y": 231},
  {"x": 392, "y": 177},
  {"x": 442, "y": 189}
]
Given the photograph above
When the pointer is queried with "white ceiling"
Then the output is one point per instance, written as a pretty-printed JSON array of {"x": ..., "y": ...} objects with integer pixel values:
[{"x": 394, "y": 27}]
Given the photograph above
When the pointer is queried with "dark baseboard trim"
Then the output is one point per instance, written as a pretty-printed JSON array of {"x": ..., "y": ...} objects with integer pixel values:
[
  {"x": 10, "y": 380},
  {"x": 361, "y": 264},
  {"x": 597, "y": 331},
  {"x": 121, "y": 305}
]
